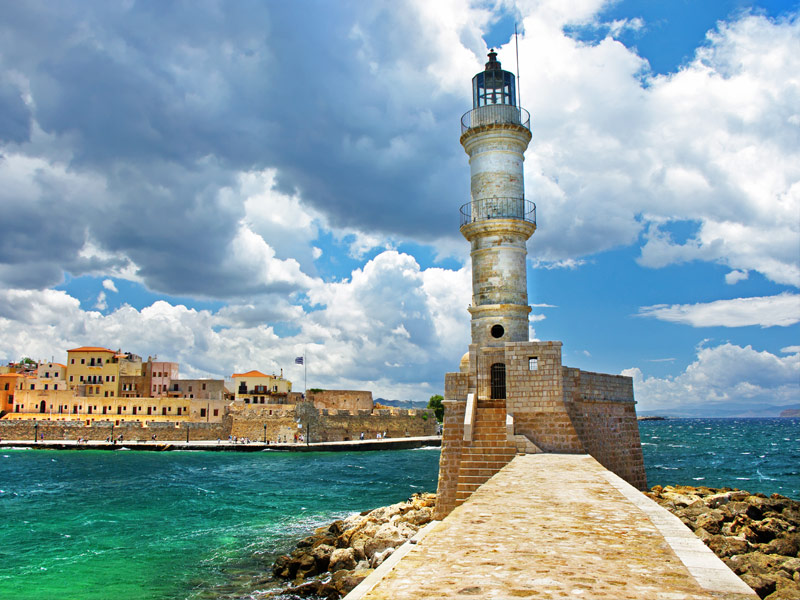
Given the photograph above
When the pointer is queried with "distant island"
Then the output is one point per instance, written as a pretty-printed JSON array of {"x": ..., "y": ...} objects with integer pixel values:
[
  {"x": 652, "y": 418},
  {"x": 790, "y": 412}
]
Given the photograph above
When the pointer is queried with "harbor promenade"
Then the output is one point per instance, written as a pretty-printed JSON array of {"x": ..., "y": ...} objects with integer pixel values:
[
  {"x": 403, "y": 443},
  {"x": 555, "y": 526}
]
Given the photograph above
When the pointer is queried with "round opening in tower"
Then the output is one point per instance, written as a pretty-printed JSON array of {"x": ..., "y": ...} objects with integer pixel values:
[{"x": 497, "y": 331}]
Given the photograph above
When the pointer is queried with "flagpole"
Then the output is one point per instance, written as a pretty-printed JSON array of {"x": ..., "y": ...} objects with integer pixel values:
[{"x": 305, "y": 373}]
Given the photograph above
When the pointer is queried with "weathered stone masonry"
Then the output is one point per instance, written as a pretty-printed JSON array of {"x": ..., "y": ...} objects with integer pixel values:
[{"x": 512, "y": 395}]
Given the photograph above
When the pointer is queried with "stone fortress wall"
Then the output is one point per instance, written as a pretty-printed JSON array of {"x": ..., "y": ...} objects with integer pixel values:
[
  {"x": 334, "y": 425},
  {"x": 242, "y": 422},
  {"x": 352, "y": 400},
  {"x": 131, "y": 431}
]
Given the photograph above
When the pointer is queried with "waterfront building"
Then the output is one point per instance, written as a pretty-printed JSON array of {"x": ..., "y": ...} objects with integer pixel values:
[
  {"x": 11, "y": 384},
  {"x": 158, "y": 375},
  {"x": 92, "y": 371},
  {"x": 254, "y": 387},
  {"x": 512, "y": 395},
  {"x": 51, "y": 376}
]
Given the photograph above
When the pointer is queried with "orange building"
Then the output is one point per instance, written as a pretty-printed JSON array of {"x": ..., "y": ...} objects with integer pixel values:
[{"x": 10, "y": 385}]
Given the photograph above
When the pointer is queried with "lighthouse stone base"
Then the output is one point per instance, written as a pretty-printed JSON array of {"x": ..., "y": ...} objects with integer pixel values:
[{"x": 546, "y": 407}]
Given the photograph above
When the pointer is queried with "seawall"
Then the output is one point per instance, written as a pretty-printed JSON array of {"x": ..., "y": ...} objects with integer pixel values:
[{"x": 226, "y": 446}]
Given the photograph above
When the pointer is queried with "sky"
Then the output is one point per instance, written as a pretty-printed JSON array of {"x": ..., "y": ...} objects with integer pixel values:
[{"x": 230, "y": 185}]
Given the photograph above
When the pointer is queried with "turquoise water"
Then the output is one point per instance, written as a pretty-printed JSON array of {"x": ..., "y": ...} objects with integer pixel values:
[
  {"x": 757, "y": 455},
  {"x": 140, "y": 525},
  {"x": 198, "y": 525}
]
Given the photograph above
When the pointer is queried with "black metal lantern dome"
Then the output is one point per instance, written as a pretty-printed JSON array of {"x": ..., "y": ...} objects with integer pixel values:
[{"x": 493, "y": 85}]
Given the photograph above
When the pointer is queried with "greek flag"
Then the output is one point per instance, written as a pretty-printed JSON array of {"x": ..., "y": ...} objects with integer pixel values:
[{"x": 298, "y": 360}]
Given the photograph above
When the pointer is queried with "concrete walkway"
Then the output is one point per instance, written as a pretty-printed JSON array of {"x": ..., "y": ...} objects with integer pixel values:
[
  {"x": 225, "y": 445},
  {"x": 556, "y": 526}
]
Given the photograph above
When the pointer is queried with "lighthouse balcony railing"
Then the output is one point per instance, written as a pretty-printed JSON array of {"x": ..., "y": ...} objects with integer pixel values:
[
  {"x": 495, "y": 114},
  {"x": 484, "y": 209}
]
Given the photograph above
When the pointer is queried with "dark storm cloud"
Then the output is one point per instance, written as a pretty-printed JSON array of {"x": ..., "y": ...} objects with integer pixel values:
[
  {"x": 168, "y": 101},
  {"x": 15, "y": 118}
]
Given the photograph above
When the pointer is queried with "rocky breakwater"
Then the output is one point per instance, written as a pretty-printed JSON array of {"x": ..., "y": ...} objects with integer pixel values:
[
  {"x": 336, "y": 558},
  {"x": 757, "y": 536}
]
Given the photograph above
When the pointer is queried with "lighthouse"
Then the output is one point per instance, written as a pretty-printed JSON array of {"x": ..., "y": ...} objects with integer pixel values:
[
  {"x": 512, "y": 395},
  {"x": 498, "y": 220}
]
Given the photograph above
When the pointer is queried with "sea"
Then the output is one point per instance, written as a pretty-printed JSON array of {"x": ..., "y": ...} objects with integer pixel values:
[{"x": 128, "y": 525}]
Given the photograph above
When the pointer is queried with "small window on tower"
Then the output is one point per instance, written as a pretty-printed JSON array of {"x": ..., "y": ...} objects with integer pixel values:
[
  {"x": 533, "y": 363},
  {"x": 497, "y": 331}
]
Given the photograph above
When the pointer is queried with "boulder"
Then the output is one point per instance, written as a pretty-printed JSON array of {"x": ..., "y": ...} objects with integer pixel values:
[
  {"x": 711, "y": 520},
  {"x": 342, "y": 558},
  {"x": 379, "y": 557},
  {"x": 724, "y": 546},
  {"x": 345, "y": 581}
]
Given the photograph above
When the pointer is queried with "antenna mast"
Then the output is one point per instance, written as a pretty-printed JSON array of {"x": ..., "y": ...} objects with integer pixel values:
[{"x": 519, "y": 87}]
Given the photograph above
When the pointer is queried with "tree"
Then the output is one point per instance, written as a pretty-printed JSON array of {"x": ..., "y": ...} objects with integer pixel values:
[{"x": 438, "y": 408}]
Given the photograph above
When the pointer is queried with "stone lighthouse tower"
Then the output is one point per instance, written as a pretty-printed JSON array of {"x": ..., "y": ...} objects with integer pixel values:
[
  {"x": 512, "y": 395},
  {"x": 498, "y": 220}
]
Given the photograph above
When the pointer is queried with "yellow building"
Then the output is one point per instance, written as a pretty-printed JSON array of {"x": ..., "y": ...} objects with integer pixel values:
[
  {"x": 51, "y": 376},
  {"x": 64, "y": 405},
  {"x": 254, "y": 387},
  {"x": 93, "y": 372}
]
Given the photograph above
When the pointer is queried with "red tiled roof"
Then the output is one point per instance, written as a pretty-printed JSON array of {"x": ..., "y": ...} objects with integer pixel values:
[
  {"x": 250, "y": 374},
  {"x": 91, "y": 349}
]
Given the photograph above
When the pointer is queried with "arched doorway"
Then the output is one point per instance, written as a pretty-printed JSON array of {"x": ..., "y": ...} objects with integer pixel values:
[
  {"x": 42, "y": 406},
  {"x": 498, "y": 381}
]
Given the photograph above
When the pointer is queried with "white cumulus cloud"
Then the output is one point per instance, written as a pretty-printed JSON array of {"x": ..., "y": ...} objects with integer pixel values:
[
  {"x": 766, "y": 311},
  {"x": 726, "y": 376}
]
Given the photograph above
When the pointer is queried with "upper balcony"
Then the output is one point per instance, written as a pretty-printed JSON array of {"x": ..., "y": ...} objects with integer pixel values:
[
  {"x": 498, "y": 208},
  {"x": 495, "y": 114}
]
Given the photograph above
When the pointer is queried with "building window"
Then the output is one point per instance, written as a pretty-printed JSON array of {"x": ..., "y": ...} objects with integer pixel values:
[
  {"x": 202, "y": 412},
  {"x": 498, "y": 381},
  {"x": 106, "y": 394},
  {"x": 533, "y": 363},
  {"x": 32, "y": 386},
  {"x": 497, "y": 331},
  {"x": 6, "y": 386},
  {"x": 134, "y": 410},
  {"x": 55, "y": 386},
  {"x": 111, "y": 394},
  {"x": 216, "y": 412},
  {"x": 72, "y": 361},
  {"x": 83, "y": 361},
  {"x": 45, "y": 386},
  {"x": 70, "y": 378},
  {"x": 204, "y": 386}
]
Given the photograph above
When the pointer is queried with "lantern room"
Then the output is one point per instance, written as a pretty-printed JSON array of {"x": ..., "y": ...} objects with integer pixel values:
[{"x": 493, "y": 85}]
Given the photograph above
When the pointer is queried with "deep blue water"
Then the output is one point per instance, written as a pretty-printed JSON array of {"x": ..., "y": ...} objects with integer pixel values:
[
  {"x": 757, "y": 455},
  {"x": 89, "y": 525}
]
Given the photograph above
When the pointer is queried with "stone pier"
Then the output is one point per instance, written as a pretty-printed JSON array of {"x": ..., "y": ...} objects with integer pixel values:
[{"x": 555, "y": 526}]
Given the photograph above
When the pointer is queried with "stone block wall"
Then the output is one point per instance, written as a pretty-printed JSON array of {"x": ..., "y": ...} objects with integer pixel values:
[
  {"x": 333, "y": 425},
  {"x": 341, "y": 399},
  {"x": 603, "y": 410},
  {"x": 450, "y": 457},
  {"x": 559, "y": 409},
  {"x": 100, "y": 430}
]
